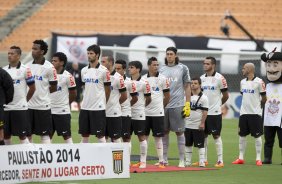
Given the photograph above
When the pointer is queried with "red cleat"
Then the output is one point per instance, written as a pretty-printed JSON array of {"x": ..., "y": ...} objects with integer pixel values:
[
  {"x": 238, "y": 161},
  {"x": 258, "y": 163}
]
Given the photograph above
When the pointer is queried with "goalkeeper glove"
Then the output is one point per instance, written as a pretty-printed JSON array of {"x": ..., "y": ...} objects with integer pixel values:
[{"x": 186, "y": 110}]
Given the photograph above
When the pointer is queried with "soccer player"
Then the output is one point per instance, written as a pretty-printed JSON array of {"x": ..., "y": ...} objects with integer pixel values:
[
  {"x": 39, "y": 106},
  {"x": 250, "y": 120},
  {"x": 16, "y": 114},
  {"x": 117, "y": 97},
  {"x": 6, "y": 96},
  {"x": 180, "y": 94},
  {"x": 120, "y": 67},
  {"x": 62, "y": 98},
  {"x": 195, "y": 123},
  {"x": 141, "y": 89},
  {"x": 214, "y": 86},
  {"x": 97, "y": 84},
  {"x": 155, "y": 110}
]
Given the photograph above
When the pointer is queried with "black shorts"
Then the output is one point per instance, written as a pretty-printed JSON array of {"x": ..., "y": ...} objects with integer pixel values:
[
  {"x": 92, "y": 122},
  {"x": 78, "y": 94},
  {"x": 16, "y": 123},
  {"x": 213, "y": 124},
  {"x": 40, "y": 122},
  {"x": 139, "y": 126},
  {"x": 127, "y": 128},
  {"x": 156, "y": 123},
  {"x": 1, "y": 117},
  {"x": 113, "y": 127},
  {"x": 62, "y": 124},
  {"x": 195, "y": 136},
  {"x": 250, "y": 123}
]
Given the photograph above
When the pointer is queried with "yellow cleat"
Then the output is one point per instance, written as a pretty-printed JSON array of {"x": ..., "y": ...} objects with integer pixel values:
[{"x": 219, "y": 164}]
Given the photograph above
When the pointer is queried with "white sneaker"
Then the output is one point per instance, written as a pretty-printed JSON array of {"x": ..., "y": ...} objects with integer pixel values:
[
  {"x": 181, "y": 163},
  {"x": 142, "y": 165}
]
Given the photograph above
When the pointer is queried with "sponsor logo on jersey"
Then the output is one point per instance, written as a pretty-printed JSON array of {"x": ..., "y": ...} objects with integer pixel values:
[
  {"x": 17, "y": 81},
  {"x": 38, "y": 77},
  {"x": 252, "y": 91},
  {"x": 91, "y": 80},
  {"x": 117, "y": 161},
  {"x": 208, "y": 87}
]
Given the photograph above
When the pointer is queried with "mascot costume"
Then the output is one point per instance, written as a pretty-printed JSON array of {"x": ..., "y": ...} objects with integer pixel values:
[{"x": 273, "y": 105}]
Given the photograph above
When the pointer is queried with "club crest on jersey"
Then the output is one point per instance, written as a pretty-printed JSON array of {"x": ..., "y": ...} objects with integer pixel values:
[
  {"x": 117, "y": 161},
  {"x": 273, "y": 107}
]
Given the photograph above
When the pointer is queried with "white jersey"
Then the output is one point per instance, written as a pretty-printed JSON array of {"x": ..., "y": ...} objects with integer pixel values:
[
  {"x": 140, "y": 88},
  {"x": 212, "y": 87},
  {"x": 125, "y": 106},
  {"x": 22, "y": 77},
  {"x": 95, "y": 79},
  {"x": 177, "y": 75},
  {"x": 159, "y": 84},
  {"x": 113, "y": 107},
  {"x": 44, "y": 75},
  {"x": 273, "y": 105},
  {"x": 197, "y": 108},
  {"x": 60, "y": 98},
  {"x": 251, "y": 91}
]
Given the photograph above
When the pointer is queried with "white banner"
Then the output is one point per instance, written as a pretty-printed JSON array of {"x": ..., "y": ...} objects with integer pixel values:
[
  {"x": 75, "y": 47},
  {"x": 38, "y": 162}
]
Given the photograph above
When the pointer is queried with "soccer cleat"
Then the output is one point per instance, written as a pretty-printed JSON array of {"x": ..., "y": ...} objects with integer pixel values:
[
  {"x": 181, "y": 163},
  {"x": 161, "y": 165},
  {"x": 142, "y": 165},
  {"x": 219, "y": 164},
  {"x": 197, "y": 163},
  {"x": 238, "y": 161},
  {"x": 187, "y": 164},
  {"x": 202, "y": 164},
  {"x": 165, "y": 163},
  {"x": 136, "y": 165},
  {"x": 258, "y": 163}
]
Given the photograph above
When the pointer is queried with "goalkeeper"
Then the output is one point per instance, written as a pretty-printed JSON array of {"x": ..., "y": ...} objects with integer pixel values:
[{"x": 177, "y": 109}]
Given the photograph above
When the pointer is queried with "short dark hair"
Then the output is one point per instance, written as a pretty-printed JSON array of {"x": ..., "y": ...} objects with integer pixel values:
[
  {"x": 95, "y": 48},
  {"x": 43, "y": 45},
  {"x": 197, "y": 79},
  {"x": 111, "y": 59},
  {"x": 18, "y": 49},
  {"x": 136, "y": 64},
  {"x": 213, "y": 60},
  {"x": 62, "y": 57},
  {"x": 122, "y": 62},
  {"x": 151, "y": 59}
]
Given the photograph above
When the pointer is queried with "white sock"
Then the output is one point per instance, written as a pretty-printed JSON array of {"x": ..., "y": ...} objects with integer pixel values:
[
  {"x": 165, "y": 146},
  {"x": 258, "y": 148},
  {"x": 201, "y": 155},
  {"x": 84, "y": 140},
  {"x": 24, "y": 141},
  {"x": 242, "y": 147},
  {"x": 219, "y": 150},
  {"x": 188, "y": 154},
  {"x": 69, "y": 141},
  {"x": 102, "y": 140},
  {"x": 45, "y": 139},
  {"x": 8, "y": 141},
  {"x": 117, "y": 140},
  {"x": 181, "y": 146},
  {"x": 206, "y": 149},
  {"x": 129, "y": 149},
  {"x": 143, "y": 151},
  {"x": 159, "y": 148}
]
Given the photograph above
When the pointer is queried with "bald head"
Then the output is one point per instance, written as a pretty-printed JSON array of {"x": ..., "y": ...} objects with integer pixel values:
[{"x": 248, "y": 70}]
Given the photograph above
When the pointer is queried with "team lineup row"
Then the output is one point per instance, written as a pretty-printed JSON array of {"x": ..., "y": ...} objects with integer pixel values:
[{"x": 165, "y": 99}]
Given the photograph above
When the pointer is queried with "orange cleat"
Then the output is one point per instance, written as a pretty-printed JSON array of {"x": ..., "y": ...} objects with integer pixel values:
[
  {"x": 238, "y": 161},
  {"x": 219, "y": 164}
]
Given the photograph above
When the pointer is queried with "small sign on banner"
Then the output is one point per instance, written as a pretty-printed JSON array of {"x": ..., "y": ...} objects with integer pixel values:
[{"x": 54, "y": 162}]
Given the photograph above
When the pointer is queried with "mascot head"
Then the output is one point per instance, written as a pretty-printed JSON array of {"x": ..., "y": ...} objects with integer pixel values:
[{"x": 273, "y": 62}]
